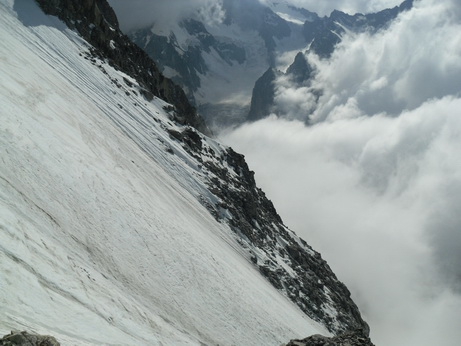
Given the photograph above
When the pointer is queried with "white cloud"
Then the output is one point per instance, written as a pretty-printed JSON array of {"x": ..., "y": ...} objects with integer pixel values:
[
  {"x": 377, "y": 197},
  {"x": 375, "y": 183},
  {"x": 419, "y": 58}
]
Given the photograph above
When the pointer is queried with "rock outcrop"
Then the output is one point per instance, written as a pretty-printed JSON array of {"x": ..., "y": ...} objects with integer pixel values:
[
  {"x": 355, "y": 338},
  {"x": 263, "y": 95},
  {"x": 28, "y": 339}
]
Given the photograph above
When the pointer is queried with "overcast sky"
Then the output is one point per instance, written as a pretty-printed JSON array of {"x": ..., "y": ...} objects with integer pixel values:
[{"x": 374, "y": 183}]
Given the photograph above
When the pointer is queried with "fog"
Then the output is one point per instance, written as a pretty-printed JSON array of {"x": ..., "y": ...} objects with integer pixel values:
[{"x": 374, "y": 182}]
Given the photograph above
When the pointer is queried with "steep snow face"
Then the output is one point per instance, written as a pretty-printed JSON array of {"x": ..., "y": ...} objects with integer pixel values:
[{"x": 102, "y": 238}]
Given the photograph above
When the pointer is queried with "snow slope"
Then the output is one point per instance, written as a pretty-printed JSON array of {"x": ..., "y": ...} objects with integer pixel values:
[{"x": 102, "y": 237}]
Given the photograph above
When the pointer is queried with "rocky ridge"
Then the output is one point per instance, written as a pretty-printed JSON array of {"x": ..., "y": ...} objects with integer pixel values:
[{"x": 286, "y": 260}]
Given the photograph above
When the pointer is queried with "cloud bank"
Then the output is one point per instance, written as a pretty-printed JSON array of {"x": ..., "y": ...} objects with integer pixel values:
[
  {"x": 374, "y": 183},
  {"x": 398, "y": 69}
]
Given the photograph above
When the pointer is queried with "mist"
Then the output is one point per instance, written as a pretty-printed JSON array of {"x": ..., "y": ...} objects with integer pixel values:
[{"x": 374, "y": 182}]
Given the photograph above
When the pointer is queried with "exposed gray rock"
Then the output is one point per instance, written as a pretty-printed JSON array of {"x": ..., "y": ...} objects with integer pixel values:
[
  {"x": 355, "y": 338},
  {"x": 28, "y": 339},
  {"x": 263, "y": 95},
  {"x": 300, "y": 70}
]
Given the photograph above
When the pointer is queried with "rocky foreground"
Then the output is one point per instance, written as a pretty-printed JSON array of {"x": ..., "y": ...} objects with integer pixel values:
[
  {"x": 16, "y": 338},
  {"x": 355, "y": 338}
]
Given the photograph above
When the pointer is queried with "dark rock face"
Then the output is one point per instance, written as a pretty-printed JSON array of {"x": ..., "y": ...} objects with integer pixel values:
[
  {"x": 97, "y": 23},
  {"x": 300, "y": 71},
  {"x": 309, "y": 283},
  {"x": 355, "y": 338},
  {"x": 28, "y": 339},
  {"x": 263, "y": 96}
]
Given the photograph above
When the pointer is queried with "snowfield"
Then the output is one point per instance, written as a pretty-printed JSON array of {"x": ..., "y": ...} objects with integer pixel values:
[{"x": 102, "y": 237}]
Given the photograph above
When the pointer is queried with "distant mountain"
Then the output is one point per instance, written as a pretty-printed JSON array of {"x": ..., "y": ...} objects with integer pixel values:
[
  {"x": 324, "y": 33},
  {"x": 121, "y": 222},
  {"x": 218, "y": 65}
]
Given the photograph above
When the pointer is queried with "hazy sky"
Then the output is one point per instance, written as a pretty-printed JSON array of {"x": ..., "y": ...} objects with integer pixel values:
[{"x": 374, "y": 183}]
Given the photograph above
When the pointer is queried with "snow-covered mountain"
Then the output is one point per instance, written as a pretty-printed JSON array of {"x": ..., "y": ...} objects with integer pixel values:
[
  {"x": 218, "y": 64},
  {"x": 120, "y": 222}
]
